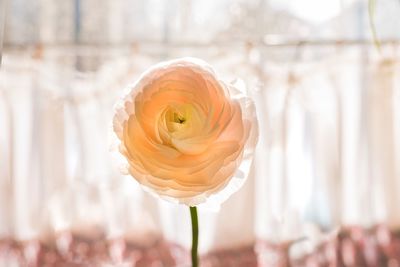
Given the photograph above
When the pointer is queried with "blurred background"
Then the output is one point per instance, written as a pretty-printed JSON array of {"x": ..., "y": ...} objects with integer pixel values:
[{"x": 324, "y": 189}]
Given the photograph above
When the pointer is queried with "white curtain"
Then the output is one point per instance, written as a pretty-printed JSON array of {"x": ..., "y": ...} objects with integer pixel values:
[{"x": 327, "y": 156}]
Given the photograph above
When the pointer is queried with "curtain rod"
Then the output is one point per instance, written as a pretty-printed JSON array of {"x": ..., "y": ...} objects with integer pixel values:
[{"x": 267, "y": 42}]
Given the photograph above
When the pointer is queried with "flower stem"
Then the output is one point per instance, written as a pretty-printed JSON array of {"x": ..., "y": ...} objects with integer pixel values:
[
  {"x": 371, "y": 15},
  {"x": 195, "y": 236}
]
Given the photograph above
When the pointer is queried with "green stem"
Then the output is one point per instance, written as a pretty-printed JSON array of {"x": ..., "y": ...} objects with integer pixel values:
[
  {"x": 195, "y": 236},
  {"x": 371, "y": 13}
]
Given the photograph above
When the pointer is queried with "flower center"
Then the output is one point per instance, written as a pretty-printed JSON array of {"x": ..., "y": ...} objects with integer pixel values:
[
  {"x": 178, "y": 118},
  {"x": 181, "y": 122}
]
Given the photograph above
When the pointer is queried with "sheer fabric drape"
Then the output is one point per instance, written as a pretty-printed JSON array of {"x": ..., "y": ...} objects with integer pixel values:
[{"x": 327, "y": 156}]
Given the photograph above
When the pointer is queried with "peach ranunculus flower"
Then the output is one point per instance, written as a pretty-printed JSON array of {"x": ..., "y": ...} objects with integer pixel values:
[{"x": 186, "y": 135}]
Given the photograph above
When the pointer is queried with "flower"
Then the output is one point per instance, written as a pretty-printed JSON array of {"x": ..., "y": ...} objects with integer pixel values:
[{"x": 186, "y": 135}]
